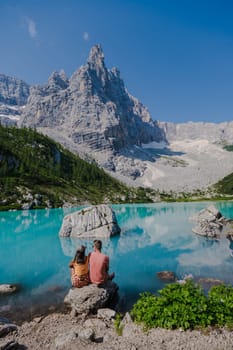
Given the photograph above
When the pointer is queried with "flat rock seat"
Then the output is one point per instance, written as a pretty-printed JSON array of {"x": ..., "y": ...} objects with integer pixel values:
[{"x": 89, "y": 299}]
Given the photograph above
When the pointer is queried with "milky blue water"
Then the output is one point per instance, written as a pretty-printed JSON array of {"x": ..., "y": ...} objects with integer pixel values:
[{"x": 154, "y": 237}]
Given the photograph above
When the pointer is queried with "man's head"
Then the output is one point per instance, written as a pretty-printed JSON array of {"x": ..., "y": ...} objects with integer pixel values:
[{"x": 97, "y": 244}]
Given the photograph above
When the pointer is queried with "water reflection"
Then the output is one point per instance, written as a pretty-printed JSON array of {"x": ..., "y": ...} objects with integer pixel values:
[
  {"x": 159, "y": 237},
  {"x": 154, "y": 237}
]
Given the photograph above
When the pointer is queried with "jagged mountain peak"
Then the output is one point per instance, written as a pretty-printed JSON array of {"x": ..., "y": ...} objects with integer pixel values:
[
  {"x": 63, "y": 75},
  {"x": 92, "y": 76},
  {"x": 58, "y": 79},
  {"x": 96, "y": 57},
  {"x": 115, "y": 71},
  {"x": 96, "y": 68},
  {"x": 92, "y": 111}
]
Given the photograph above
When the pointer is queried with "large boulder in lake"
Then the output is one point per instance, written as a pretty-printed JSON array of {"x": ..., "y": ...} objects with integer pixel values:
[
  {"x": 90, "y": 298},
  {"x": 212, "y": 224},
  {"x": 95, "y": 221}
]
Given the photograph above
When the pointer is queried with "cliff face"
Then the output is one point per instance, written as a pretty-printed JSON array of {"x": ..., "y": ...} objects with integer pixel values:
[
  {"x": 220, "y": 133},
  {"x": 13, "y": 92},
  {"x": 92, "y": 108},
  {"x": 13, "y": 96}
]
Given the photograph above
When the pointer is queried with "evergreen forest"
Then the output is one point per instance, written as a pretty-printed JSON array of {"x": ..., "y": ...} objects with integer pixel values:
[{"x": 37, "y": 172}]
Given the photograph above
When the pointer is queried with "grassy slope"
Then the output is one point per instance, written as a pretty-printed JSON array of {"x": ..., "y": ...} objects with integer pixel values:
[{"x": 225, "y": 186}]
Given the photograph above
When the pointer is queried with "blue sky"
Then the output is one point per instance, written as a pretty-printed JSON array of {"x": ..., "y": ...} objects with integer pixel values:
[{"x": 175, "y": 56}]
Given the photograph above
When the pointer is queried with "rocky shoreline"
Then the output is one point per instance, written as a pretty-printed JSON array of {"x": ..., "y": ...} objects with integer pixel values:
[
  {"x": 65, "y": 331},
  {"x": 86, "y": 323}
]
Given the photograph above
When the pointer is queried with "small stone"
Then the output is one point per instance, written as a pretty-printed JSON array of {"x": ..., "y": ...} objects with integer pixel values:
[
  {"x": 95, "y": 324},
  {"x": 38, "y": 319},
  {"x": 87, "y": 334},
  {"x": 133, "y": 347},
  {"x": 64, "y": 340},
  {"x": 106, "y": 314},
  {"x": 73, "y": 313},
  {"x": 166, "y": 275},
  {"x": 127, "y": 318}
]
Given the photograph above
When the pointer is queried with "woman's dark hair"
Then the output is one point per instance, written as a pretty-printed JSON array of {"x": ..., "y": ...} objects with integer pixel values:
[{"x": 80, "y": 257}]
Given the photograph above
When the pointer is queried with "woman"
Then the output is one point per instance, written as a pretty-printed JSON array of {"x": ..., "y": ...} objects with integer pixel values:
[{"x": 80, "y": 268}]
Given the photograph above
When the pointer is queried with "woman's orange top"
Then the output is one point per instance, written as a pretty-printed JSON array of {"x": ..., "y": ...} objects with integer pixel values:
[{"x": 80, "y": 269}]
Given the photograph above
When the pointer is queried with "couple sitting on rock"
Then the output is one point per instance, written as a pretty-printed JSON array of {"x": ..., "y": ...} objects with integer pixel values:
[{"x": 90, "y": 269}]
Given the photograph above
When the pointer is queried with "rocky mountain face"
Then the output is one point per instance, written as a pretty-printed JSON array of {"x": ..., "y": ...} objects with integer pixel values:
[
  {"x": 218, "y": 133},
  {"x": 92, "y": 108},
  {"x": 13, "y": 96},
  {"x": 93, "y": 113}
]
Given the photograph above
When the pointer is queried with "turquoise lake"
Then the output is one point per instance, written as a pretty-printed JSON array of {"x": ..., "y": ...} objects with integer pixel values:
[{"x": 154, "y": 237}]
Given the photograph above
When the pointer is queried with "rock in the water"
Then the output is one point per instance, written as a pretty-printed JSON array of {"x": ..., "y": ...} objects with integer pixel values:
[
  {"x": 90, "y": 298},
  {"x": 206, "y": 283},
  {"x": 96, "y": 221},
  {"x": 166, "y": 276},
  {"x": 212, "y": 224},
  {"x": 8, "y": 288},
  {"x": 210, "y": 213}
]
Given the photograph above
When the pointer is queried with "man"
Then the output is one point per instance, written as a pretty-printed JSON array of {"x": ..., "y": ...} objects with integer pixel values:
[{"x": 99, "y": 265}]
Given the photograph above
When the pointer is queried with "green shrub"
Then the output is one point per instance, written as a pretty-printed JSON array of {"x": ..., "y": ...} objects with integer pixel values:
[
  {"x": 221, "y": 305},
  {"x": 176, "y": 306},
  {"x": 185, "y": 306}
]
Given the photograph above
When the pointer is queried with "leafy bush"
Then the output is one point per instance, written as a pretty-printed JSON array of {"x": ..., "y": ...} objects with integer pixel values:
[
  {"x": 185, "y": 306},
  {"x": 177, "y": 305},
  {"x": 221, "y": 305}
]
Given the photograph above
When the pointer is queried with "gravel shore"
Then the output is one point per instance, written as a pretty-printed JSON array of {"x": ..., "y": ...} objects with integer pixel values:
[{"x": 66, "y": 332}]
